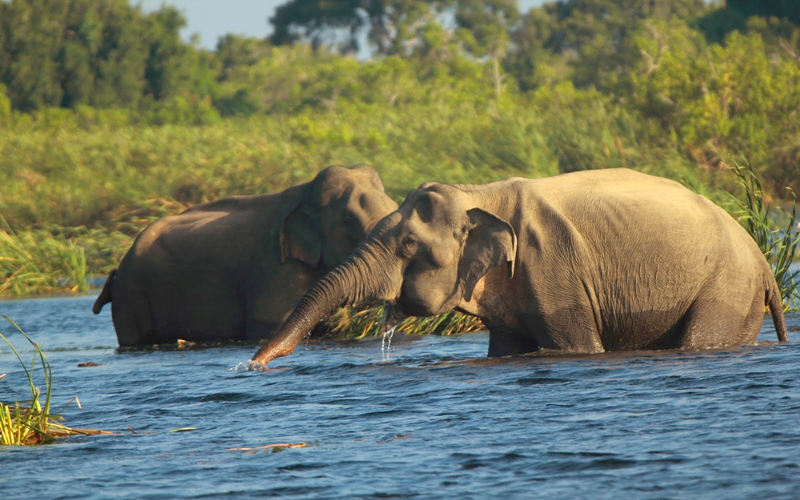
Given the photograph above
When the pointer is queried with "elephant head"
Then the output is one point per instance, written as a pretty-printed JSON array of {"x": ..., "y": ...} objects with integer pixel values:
[
  {"x": 426, "y": 257},
  {"x": 234, "y": 268},
  {"x": 332, "y": 215}
]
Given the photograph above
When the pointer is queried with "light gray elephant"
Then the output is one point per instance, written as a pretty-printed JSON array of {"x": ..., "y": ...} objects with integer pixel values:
[
  {"x": 233, "y": 269},
  {"x": 584, "y": 262}
]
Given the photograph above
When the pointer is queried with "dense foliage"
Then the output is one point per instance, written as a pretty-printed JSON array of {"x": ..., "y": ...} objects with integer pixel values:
[
  {"x": 696, "y": 81},
  {"x": 108, "y": 119},
  {"x": 71, "y": 53}
]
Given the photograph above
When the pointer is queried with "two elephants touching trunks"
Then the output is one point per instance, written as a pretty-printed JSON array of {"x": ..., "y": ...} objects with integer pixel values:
[
  {"x": 233, "y": 269},
  {"x": 584, "y": 262}
]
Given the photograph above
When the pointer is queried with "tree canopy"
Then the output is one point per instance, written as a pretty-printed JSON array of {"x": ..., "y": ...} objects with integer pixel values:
[
  {"x": 690, "y": 78},
  {"x": 108, "y": 54}
]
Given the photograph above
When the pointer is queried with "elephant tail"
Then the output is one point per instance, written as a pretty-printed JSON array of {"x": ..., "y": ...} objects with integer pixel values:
[
  {"x": 775, "y": 303},
  {"x": 105, "y": 296}
]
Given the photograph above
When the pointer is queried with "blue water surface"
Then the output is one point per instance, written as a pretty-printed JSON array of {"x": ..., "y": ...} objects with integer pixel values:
[{"x": 428, "y": 417}]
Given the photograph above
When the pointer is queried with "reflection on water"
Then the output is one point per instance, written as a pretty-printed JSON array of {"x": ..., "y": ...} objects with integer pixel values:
[{"x": 435, "y": 419}]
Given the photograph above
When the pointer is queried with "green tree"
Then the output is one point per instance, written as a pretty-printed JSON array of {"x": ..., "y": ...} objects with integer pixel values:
[
  {"x": 5, "y": 106},
  {"x": 70, "y": 53},
  {"x": 484, "y": 28},
  {"x": 583, "y": 39},
  {"x": 787, "y": 9},
  {"x": 121, "y": 57},
  {"x": 235, "y": 51},
  {"x": 31, "y": 41},
  {"x": 716, "y": 100},
  {"x": 165, "y": 64},
  {"x": 397, "y": 27},
  {"x": 734, "y": 14}
]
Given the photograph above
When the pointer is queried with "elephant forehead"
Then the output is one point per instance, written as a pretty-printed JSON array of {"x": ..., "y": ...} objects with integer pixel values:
[
  {"x": 337, "y": 178},
  {"x": 434, "y": 207},
  {"x": 336, "y": 183},
  {"x": 356, "y": 193},
  {"x": 337, "y": 195},
  {"x": 368, "y": 175},
  {"x": 330, "y": 192}
]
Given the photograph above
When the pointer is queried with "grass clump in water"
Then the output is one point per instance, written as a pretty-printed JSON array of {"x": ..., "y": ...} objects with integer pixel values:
[
  {"x": 778, "y": 242},
  {"x": 349, "y": 322},
  {"x": 31, "y": 422}
]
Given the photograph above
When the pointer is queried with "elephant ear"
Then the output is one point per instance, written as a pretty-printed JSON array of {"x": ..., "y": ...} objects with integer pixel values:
[
  {"x": 301, "y": 236},
  {"x": 491, "y": 242}
]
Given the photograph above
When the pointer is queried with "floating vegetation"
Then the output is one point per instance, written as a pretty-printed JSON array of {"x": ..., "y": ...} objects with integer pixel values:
[
  {"x": 271, "y": 447},
  {"x": 349, "y": 322},
  {"x": 32, "y": 422},
  {"x": 778, "y": 243}
]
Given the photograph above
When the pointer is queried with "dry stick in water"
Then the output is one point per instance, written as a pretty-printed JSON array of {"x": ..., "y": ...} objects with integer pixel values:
[{"x": 268, "y": 446}]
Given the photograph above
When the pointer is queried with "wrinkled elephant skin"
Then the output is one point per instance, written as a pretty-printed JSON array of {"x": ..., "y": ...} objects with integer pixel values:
[
  {"x": 233, "y": 269},
  {"x": 584, "y": 262}
]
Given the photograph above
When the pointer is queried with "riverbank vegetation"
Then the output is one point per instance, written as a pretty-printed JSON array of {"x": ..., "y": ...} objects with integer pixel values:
[
  {"x": 32, "y": 422},
  {"x": 779, "y": 245},
  {"x": 109, "y": 120}
]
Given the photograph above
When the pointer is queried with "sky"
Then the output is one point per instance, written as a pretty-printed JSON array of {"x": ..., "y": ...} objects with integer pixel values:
[{"x": 214, "y": 18}]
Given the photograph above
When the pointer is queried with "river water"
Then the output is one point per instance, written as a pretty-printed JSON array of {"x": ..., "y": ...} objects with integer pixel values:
[{"x": 428, "y": 417}]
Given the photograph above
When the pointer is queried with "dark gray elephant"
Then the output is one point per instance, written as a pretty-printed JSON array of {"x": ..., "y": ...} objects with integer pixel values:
[
  {"x": 584, "y": 262},
  {"x": 233, "y": 269}
]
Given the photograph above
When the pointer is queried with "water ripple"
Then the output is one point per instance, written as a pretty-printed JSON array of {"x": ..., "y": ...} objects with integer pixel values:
[{"x": 437, "y": 419}]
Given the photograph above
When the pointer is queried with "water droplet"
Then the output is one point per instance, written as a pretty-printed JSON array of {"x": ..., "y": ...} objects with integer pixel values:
[{"x": 386, "y": 343}]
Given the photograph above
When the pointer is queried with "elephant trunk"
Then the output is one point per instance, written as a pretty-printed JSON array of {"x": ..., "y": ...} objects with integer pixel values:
[{"x": 361, "y": 279}]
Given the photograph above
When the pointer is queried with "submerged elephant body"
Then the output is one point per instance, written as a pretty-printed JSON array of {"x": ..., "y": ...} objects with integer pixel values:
[
  {"x": 234, "y": 268},
  {"x": 584, "y": 262}
]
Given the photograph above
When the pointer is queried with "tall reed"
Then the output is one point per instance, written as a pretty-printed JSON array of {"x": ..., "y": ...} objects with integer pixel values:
[
  {"x": 32, "y": 422},
  {"x": 39, "y": 262},
  {"x": 778, "y": 243}
]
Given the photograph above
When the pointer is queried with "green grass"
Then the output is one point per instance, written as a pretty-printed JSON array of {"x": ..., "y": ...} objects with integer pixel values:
[
  {"x": 71, "y": 188},
  {"x": 39, "y": 261},
  {"x": 351, "y": 323},
  {"x": 778, "y": 242},
  {"x": 122, "y": 176},
  {"x": 32, "y": 421}
]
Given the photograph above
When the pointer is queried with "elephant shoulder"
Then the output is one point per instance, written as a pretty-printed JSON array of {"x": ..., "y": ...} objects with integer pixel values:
[
  {"x": 146, "y": 239},
  {"x": 190, "y": 232}
]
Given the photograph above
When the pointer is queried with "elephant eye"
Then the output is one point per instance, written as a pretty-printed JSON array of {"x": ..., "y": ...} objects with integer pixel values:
[
  {"x": 409, "y": 245},
  {"x": 350, "y": 223}
]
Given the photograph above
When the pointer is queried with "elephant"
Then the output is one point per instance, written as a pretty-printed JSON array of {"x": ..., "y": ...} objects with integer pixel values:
[
  {"x": 234, "y": 268},
  {"x": 582, "y": 262}
]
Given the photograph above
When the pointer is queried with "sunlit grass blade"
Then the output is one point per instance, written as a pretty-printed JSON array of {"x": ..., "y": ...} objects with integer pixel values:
[
  {"x": 31, "y": 422},
  {"x": 777, "y": 242},
  {"x": 353, "y": 323},
  {"x": 39, "y": 261}
]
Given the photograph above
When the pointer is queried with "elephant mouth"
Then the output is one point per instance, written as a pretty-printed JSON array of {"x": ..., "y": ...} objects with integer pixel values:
[{"x": 412, "y": 307}]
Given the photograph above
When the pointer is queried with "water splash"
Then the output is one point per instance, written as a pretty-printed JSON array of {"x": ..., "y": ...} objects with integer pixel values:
[
  {"x": 249, "y": 366},
  {"x": 386, "y": 343}
]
